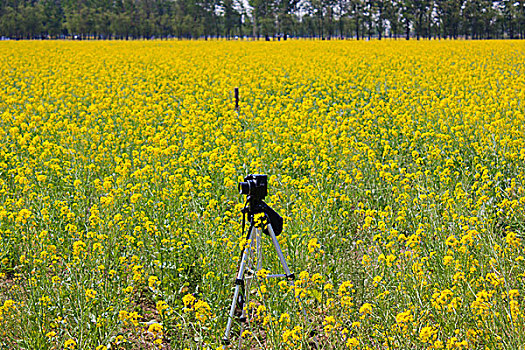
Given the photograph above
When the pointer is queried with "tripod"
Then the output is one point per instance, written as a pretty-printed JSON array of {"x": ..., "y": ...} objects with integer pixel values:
[{"x": 255, "y": 209}]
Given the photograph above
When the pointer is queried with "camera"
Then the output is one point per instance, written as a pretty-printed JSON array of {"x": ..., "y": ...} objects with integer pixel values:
[{"x": 254, "y": 185}]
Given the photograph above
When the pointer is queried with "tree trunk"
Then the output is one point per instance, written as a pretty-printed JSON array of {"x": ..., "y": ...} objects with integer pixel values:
[
  {"x": 356, "y": 22},
  {"x": 254, "y": 27},
  {"x": 369, "y": 27},
  {"x": 380, "y": 29}
]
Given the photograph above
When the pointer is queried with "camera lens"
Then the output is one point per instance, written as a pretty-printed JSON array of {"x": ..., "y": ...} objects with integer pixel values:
[{"x": 244, "y": 188}]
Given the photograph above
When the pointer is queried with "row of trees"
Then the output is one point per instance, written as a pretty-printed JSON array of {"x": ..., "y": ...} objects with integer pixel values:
[{"x": 476, "y": 19}]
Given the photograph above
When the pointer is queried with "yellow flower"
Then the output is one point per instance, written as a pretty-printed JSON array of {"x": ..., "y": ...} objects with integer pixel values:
[
  {"x": 404, "y": 317},
  {"x": 155, "y": 328},
  {"x": 292, "y": 335},
  {"x": 352, "y": 343},
  {"x": 365, "y": 260},
  {"x": 447, "y": 259},
  {"x": 188, "y": 300},
  {"x": 70, "y": 344},
  {"x": 202, "y": 310},
  {"x": 51, "y": 334},
  {"x": 162, "y": 307},
  {"x": 135, "y": 198},
  {"x": 284, "y": 318},
  {"x": 426, "y": 333},
  {"x": 123, "y": 315},
  {"x": 246, "y": 334},
  {"x": 345, "y": 288},
  {"x": 313, "y": 245},
  {"x": 366, "y": 309},
  {"x": 153, "y": 281},
  {"x": 78, "y": 247},
  {"x": 90, "y": 294},
  {"x": 451, "y": 241},
  {"x": 260, "y": 220},
  {"x": 438, "y": 344}
]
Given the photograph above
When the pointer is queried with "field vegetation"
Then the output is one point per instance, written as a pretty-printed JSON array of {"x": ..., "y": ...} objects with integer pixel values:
[{"x": 398, "y": 168}]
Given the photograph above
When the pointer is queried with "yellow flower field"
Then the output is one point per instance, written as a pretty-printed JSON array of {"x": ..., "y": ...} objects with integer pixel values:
[{"x": 397, "y": 166}]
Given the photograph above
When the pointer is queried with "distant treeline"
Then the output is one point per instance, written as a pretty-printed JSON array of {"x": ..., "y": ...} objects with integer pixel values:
[{"x": 133, "y": 19}]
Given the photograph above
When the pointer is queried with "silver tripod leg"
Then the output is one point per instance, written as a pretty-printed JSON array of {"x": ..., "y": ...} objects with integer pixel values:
[
  {"x": 239, "y": 282},
  {"x": 259, "y": 247},
  {"x": 277, "y": 247},
  {"x": 255, "y": 243}
]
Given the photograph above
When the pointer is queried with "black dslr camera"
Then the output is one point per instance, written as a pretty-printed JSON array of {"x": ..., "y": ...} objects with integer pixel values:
[{"x": 254, "y": 185}]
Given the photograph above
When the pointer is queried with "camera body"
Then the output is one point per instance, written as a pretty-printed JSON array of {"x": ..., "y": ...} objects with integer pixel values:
[{"x": 254, "y": 185}]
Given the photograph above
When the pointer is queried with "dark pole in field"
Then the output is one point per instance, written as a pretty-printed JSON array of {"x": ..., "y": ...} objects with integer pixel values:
[{"x": 236, "y": 99}]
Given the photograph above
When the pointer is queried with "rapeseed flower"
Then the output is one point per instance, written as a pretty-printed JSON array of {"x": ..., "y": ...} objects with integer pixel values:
[{"x": 398, "y": 168}]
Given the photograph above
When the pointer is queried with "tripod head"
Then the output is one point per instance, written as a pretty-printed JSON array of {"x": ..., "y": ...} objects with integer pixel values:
[
  {"x": 255, "y": 205},
  {"x": 255, "y": 186}
]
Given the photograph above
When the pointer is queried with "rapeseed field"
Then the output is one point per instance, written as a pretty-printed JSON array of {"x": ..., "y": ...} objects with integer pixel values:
[{"x": 398, "y": 168}]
